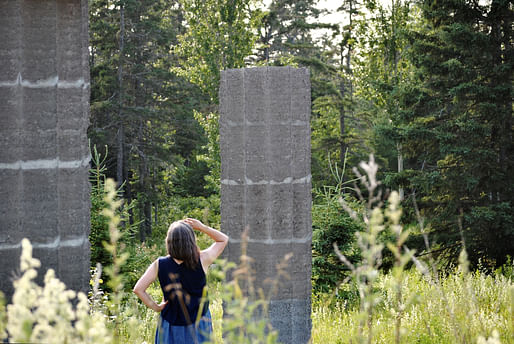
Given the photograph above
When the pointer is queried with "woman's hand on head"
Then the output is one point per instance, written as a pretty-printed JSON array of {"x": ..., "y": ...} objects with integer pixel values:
[{"x": 194, "y": 223}]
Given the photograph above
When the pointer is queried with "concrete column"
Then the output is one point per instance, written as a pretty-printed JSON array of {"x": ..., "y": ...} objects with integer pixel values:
[
  {"x": 44, "y": 157},
  {"x": 266, "y": 184}
]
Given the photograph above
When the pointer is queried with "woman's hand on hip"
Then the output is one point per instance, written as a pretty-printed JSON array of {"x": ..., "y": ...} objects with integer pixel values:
[{"x": 161, "y": 306}]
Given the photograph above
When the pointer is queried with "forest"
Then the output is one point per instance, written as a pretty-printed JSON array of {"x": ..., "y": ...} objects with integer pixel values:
[{"x": 424, "y": 86}]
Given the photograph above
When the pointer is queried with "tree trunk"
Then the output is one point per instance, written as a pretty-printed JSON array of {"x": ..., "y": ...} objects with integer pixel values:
[
  {"x": 145, "y": 208},
  {"x": 400, "y": 168},
  {"x": 119, "y": 156},
  {"x": 346, "y": 90},
  {"x": 342, "y": 128},
  {"x": 395, "y": 78},
  {"x": 501, "y": 32},
  {"x": 120, "y": 161}
]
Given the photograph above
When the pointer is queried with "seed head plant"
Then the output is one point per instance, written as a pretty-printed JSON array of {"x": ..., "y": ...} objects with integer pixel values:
[
  {"x": 367, "y": 272},
  {"x": 46, "y": 314}
]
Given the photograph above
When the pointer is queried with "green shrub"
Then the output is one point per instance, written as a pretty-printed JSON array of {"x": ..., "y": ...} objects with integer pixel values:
[{"x": 331, "y": 224}]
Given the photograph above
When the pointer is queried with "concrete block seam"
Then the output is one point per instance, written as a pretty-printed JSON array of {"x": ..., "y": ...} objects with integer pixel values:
[
  {"x": 46, "y": 83},
  {"x": 75, "y": 242},
  {"x": 248, "y": 123},
  {"x": 45, "y": 164},
  {"x": 269, "y": 241},
  {"x": 288, "y": 180},
  {"x": 290, "y": 301}
]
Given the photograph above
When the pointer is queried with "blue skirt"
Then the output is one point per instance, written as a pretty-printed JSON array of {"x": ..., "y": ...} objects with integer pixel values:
[{"x": 193, "y": 334}]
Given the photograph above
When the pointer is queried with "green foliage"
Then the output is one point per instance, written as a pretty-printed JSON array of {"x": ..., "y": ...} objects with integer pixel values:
[
  {"x": 330, "y": 224},
  {"x": 140, "y": 109},
  {"x": 187, "y": 177},
  {"x": 325, "y": 141},
  {"x": 99, "y": 226},
  {"x": 219, "y": 35},
  {"x": 285, "y": 32},
  {"x": 365, "y": 272},
  {"x": 239, "y": 316},
  {"x": 437, "y": 80},
  {"x": 99, "y": 234},
  {"x": 382, "y": 70},
  {"x": 455, "y": 127},
  {"x": 211, "y": 157},
  {"x": 386, "y": 301},
  {"x": 507, "y": 269},
  {"x": 3, "y": 317}
]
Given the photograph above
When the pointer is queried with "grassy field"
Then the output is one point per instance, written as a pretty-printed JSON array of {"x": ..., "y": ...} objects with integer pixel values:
[
  {"x": 459, "y": 308},
  {"x": 402, "y": 306}
]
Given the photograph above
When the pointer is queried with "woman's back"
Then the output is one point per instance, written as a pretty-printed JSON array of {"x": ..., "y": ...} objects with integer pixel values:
[
  {"x": 183, "y": 288},
  {"x": 184, "y": 319}
]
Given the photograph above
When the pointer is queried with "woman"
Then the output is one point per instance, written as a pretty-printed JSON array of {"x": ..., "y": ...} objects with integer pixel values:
[{"x": 185, "y": 317}]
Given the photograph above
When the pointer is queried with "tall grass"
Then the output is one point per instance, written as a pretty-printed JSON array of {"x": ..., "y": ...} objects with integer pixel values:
[
  {"x": 459, "y": 318},
  {"x": 416, "y": 306},
  {"x": 402, "y": 306}
]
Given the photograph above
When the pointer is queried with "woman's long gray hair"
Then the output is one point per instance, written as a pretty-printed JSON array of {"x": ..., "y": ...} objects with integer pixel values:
[{"x": 181, "y": 244}]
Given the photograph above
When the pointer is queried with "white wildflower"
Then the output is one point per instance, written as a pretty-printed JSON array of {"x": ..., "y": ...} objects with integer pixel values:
[
  {"x": 494, "y": 339},
  {"x": 20, "y": 318}
]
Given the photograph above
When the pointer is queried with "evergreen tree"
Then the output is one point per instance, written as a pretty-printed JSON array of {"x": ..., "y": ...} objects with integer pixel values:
[
  {"x": 219, "y": 36},
  {"x": 340, "y": 124},
  {"x": 139, "y": 108},
  {"x": 382, "y": 70},
  {"x": 456, "y": 127},
  {"x": 286, "y": 31}
]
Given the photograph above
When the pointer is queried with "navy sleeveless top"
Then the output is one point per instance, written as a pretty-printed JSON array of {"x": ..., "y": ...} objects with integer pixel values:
[{"x": 183, "y": 289}]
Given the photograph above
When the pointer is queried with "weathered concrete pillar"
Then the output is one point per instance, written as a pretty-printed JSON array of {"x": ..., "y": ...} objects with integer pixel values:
[
  {"x": 266, "y": 184},
  {"x": 44, "y": 107}
]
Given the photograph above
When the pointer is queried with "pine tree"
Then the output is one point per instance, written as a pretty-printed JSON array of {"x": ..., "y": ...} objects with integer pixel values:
[
  {"x": 456, "y": 127},
  {"x": 139, "y": 108},
  {"x": 286, "y": 31},
  {"x": 382, "y": 71}
]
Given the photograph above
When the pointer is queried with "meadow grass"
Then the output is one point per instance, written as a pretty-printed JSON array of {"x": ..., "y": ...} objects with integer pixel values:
[
  {"x": 460, "y": 308},
  {"x": 473, "y": 307},
  {"x": 402, "y": 306}
]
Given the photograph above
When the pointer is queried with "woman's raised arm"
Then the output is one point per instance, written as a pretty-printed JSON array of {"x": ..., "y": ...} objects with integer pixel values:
[{"x": 221, "y": 240}]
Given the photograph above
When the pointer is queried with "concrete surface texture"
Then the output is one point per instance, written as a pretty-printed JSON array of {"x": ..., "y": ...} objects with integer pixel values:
[
  {"x": 266, "y": 185},
  {"x": 44, "y": 157}
]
